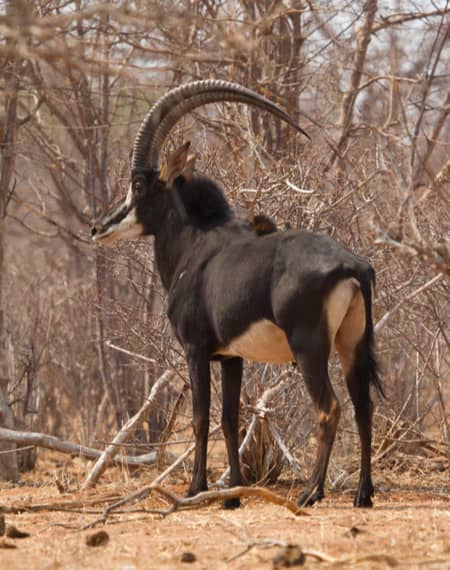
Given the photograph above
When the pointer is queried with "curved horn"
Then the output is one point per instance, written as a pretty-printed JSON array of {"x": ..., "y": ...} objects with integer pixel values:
[{"x": 171, "y": 107}]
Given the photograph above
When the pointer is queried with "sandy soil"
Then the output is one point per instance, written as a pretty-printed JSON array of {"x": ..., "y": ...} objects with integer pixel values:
[{"x": 407, "y": 528}]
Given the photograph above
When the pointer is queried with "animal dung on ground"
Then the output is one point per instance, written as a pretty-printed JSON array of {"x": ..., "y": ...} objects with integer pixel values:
[
  {"x": 354, "y": 532},
  {"x": 291, "y": 555},
  {"x": 14, "y": 532},
  {"x": 2, "y": 525},
  {"x": 63, "y": 486},
  {"x": 188, "y": 557},
  {"x": 98, "y": 538}
]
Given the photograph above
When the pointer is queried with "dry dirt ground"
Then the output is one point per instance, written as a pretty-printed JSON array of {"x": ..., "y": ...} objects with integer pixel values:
[{"x": 409, "y": 527}]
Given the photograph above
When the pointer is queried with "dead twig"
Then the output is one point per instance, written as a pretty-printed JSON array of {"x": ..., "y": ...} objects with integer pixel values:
[
  {"x": 164, "y": 438},
  {"x": 208, "y": 497},
  {"x": 380, "y": 324},
  {"x": 187, "y": 503},
  {"x": 293, "y": 554},
  {"x": 111, "y": 451},
  {"x": 109, "y": 344},
  {"x": 143, "y": 493},
  {"x": 293, "y": 463}
]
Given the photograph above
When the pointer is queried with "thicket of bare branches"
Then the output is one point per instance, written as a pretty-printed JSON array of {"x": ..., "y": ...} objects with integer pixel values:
[{"x": 83, "y": 332}]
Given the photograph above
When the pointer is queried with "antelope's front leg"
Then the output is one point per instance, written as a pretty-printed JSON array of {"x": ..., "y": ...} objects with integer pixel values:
[
  {"x": 201, "y": 397},
  {"x": 231, "y": 391}
]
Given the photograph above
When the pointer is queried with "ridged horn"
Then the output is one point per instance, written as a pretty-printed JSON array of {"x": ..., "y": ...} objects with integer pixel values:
[{"x": 169, "y": 109}]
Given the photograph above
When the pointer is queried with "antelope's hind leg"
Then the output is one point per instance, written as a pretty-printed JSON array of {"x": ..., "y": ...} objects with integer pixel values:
[
  {"x": 358, "y": 387},
  {"x": 312, "y": 357},
  {"x": 357, "y": 377},
  {"x": 359, "y": 365}
]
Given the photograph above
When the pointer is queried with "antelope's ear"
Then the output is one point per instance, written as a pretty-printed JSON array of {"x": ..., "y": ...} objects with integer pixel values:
[
  {"x": 263, "y": 225},
  {"x": 177, "y": 162},
  {"x": 188, "y": 170}
]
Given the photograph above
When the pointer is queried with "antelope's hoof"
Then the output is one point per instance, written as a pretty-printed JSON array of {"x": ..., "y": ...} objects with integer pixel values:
[
  {"x": 363, "y": 502},
  {"x": 363, "y": 497},
  {"x": 307, "y": 499},
  {"x": 233, "y": 503}
]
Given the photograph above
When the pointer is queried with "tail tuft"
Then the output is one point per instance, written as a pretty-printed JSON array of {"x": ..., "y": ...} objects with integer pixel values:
[
  {"x": 367, "y": 356},
  {"x": 372, "y": 368}
]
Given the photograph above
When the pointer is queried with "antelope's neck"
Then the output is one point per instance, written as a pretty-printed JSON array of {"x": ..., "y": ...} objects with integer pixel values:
[{"x": 173, "y": 246}]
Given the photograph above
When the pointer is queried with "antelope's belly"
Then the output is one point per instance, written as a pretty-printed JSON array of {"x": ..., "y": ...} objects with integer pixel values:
[{"x": 263, "y": 341}]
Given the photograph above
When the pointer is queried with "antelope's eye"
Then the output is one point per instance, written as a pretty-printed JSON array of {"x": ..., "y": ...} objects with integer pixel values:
[{"x": 138, "y": 187}]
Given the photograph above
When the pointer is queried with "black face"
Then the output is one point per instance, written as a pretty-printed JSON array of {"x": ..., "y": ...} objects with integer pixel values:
[{"x": 139, "y": 214}]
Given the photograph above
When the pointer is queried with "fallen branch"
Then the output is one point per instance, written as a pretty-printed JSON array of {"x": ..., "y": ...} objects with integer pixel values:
[
  {"x": 142, "y": 494},
  {"x": 124, "y": 434},
  {"x": 208, "y": 497},
  {"x": 189, "y": 503},
  {"x": 46, "y": 441},
  {"x": 77, "y": 505}
]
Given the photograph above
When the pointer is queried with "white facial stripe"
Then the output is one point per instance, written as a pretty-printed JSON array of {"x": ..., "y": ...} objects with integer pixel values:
[
  {"x": 128, "y": 228},
  {"x": 118, "y": 208},
  {"x": 113, "y": 214},
  {"x": 129, "y": 197}
]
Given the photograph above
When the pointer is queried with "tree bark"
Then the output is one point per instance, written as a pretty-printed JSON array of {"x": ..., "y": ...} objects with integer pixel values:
[
  {"x": 363, "y": 37},
  {"x": 8, "y": 462}
]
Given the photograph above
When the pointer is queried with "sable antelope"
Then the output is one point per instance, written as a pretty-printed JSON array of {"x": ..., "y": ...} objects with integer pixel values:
[{"x": 234, "y": 295}]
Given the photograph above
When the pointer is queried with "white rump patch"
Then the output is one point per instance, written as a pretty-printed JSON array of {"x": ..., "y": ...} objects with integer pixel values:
[
  {"x": 338, "y": 304},
  {"x": 346, "y": 316},
  {"x": 263, "y": 341}
]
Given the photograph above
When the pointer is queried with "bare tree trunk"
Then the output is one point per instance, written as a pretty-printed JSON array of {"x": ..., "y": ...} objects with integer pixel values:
[
  {"x": 363, "y": 38},
  {"x": 8, "y": 461}
]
